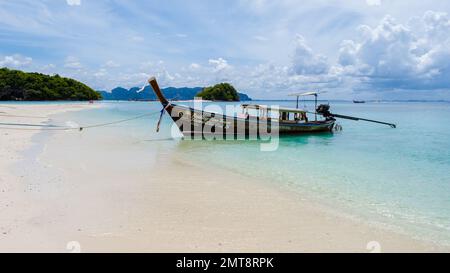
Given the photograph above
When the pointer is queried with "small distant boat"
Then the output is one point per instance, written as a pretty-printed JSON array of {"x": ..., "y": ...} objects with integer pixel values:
[
  {"x": 359, "y": 101},
  {"x": 195, "y": 123}
]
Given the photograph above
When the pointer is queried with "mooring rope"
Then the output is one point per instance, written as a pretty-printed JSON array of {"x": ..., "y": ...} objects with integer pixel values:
[
  {"x": 66, "y": 128},
  {"x": 3, "y": 114},
  {"x": 27, "y": 124},
  {"x": 116, "y": 122}
]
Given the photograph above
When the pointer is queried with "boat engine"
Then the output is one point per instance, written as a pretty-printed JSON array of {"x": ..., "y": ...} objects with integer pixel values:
[{"x": 324, "y": 110}]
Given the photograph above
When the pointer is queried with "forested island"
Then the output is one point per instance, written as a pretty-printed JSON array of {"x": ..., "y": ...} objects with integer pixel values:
[
  {"x": 18, "y": 85},
  {"x": 220, "y": 92}
]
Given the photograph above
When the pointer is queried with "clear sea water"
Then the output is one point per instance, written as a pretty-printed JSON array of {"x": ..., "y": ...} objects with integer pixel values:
[{"x": 396, "y": 177}]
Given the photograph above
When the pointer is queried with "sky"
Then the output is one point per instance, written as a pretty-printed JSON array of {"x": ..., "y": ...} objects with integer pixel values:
[{"x": 354, "y": 49}]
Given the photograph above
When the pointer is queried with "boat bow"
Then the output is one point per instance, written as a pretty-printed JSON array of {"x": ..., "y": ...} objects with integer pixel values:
[{"x": 152, "y": 81}]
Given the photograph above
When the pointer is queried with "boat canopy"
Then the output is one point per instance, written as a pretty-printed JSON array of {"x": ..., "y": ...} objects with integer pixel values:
[{"x": 267, "y": 108}]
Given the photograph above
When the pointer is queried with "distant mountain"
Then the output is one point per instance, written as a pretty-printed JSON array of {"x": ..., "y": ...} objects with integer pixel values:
[
  {"x": 244, "y": 97},
  {"x": 171, "y": 93}
]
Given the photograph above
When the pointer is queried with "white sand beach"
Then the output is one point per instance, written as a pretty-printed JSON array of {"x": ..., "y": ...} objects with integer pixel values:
[{"x": 80, "y": 188}]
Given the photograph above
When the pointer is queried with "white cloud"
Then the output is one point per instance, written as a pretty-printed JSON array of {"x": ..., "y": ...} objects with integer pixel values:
[
  {"x": 257, "y": 6},
  {"x": 72, "y": 63},
  {"x": 111, "y": 64},
  {"x": 260, "y": 38},
  {"x": 347, "y": 53},
  {"x": 48, "y": 67},
  {"x": 194, "y": 66},
  {"x": 101, "y": 73},
  {"x": 373, "y": 2},
  {"x": 219, "y": 64},
  {"x": 392, "y": 55},
  {"x": 73, "y": 2},
  {"x": 137, "y": 38},
  {"x": 146, "y": 65},
  {"x": 165, "y": 76},
  {"x": 305, "y": 61},
  {"x": 15, "y": 61}
]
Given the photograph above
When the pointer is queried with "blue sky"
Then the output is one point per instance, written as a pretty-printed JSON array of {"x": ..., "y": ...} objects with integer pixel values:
[{"x": 369, "y": 49}]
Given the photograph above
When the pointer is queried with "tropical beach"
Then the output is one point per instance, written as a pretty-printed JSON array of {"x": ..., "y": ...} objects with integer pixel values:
[
  {"x": 246, "y": 126},
  {"x": 67, "y": 186}
]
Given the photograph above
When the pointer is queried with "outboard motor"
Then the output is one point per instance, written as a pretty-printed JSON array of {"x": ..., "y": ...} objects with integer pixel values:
[{"x": 324, "y": 110}]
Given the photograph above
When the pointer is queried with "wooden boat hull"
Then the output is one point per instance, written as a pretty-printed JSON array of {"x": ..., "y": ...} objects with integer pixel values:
[{"x": 199, "y": 124}]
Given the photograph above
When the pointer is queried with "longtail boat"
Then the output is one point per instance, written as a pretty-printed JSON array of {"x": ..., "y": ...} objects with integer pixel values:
[{"x": 197, "y": 123}]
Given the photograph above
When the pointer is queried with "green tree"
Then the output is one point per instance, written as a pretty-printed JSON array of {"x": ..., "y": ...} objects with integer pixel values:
[
  {"x": 219, "y": 92},
  {"x": 18, "y": 85}
]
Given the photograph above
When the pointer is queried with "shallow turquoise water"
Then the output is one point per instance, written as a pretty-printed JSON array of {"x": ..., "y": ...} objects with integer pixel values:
[{"x": 399, "y": 177}]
